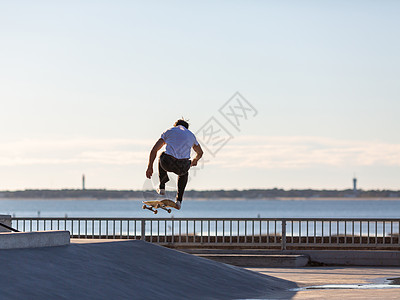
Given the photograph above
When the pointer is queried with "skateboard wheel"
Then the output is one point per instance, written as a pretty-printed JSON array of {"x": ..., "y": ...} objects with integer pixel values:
[
  {"x": 169, "y": 211},
  {"x": 144, "y": 206},
  {"x": 155, "y": 212}
]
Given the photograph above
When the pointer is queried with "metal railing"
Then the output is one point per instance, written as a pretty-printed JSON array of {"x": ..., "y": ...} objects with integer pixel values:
[{"x": 236, "y": 232}]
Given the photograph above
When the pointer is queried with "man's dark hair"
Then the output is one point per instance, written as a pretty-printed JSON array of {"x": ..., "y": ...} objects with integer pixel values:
[{"x": 182, "y": 122}]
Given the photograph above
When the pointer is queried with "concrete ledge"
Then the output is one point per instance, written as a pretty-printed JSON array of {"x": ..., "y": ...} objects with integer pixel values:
[
  {"x": 378, "y": 258},
  {"x": 18, "y": 240},
  {"x": 259, "y": 260},
  {"x": 6, "y": 220},
  {"x": 353, "y": 257}
]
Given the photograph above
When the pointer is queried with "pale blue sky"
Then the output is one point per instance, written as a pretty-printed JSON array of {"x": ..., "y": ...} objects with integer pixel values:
[{"x": 88, "y": 87}]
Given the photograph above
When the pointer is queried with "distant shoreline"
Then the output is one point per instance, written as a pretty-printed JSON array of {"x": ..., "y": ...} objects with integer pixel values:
[
  {"x": 269, "y": 194},
  {"x": 210, "y": 199}
]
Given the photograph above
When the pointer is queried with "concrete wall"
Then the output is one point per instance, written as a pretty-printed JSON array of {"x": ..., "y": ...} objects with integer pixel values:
[
  {"x": 353, "y": 257},
  {"x": 5, "y": 219},
  {"x": 17, "y": 240},
  {"x": 259, "y": 260},
  {"x": 377, "y": 258}
]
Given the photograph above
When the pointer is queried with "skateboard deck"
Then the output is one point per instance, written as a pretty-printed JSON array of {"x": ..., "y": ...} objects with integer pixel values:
[{"x": 156, "y": 204}]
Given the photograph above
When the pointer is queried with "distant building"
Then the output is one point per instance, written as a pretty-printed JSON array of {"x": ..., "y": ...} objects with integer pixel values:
[
  {"x": 83, "y": 182},
  {"x": 355, "y": 186}
]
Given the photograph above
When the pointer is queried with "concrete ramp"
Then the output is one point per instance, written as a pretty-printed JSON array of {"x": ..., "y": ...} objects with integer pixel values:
[{"x": 128, "y": 270}]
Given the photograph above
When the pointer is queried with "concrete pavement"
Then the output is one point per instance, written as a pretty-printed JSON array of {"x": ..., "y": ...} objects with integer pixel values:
[
  {"x": 319, "y": 276},
  {"x": 104, "y": 269}
]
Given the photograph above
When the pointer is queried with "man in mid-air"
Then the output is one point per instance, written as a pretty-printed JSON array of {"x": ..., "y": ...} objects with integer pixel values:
[{"x": 176, "y": 157}]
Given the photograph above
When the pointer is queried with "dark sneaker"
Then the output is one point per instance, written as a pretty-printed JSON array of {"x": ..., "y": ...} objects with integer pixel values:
[
  {"x": 178, "y": 204},
  {"x": 161, "y": 192}
]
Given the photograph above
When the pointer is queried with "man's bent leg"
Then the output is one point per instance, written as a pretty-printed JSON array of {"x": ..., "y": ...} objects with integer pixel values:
[
  {"x": 182, "y": 181},
  {"x": 162, "y": 174}
]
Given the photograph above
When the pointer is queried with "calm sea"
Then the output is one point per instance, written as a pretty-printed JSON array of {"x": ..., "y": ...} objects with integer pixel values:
[{"x": 208, "y": 209}]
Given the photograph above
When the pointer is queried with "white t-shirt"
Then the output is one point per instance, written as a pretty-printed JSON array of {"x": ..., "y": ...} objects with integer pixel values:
[{"x": 179, "y": 141}]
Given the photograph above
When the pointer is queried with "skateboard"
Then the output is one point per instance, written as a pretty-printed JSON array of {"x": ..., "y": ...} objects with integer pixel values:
[{"x": 156, "y": 204}]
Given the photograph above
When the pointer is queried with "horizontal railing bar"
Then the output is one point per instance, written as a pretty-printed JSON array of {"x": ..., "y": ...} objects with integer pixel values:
[{"x": 210, "y": 219}]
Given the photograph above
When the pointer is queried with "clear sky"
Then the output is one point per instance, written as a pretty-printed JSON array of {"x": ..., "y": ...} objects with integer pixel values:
[{"x": 87, "y": 87}]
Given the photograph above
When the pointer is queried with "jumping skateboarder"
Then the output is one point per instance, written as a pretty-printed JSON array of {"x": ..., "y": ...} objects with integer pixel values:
[{"x": 176, "y": 157}]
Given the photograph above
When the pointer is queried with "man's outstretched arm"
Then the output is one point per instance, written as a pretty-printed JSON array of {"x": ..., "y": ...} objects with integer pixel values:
[
  {"x": 153, "y": 154},
  {"x": 199, "y": 154}
]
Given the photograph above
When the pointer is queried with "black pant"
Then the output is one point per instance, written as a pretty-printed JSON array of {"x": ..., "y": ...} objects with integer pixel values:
[{"x": 180, "y": 167}]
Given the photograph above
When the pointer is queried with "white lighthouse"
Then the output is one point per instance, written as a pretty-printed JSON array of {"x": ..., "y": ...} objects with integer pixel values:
[
  {"x": 355, "y": 186},
  {"x": 83, "y": 182}
]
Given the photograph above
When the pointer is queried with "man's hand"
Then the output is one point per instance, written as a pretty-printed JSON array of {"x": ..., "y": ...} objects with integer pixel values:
[
  {"x": 149, "y": 172},
  {"x": 194, "y": 162},
  {"x": 153, "y": 153},
  {"x": 199, "y": 154}
]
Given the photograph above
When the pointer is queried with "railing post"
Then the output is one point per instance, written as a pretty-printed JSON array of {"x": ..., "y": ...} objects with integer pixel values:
[
  {"x": 283, "y": 242},
  {"x": 143, "y": 234},
  {"x": 172, "y": 230}
]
